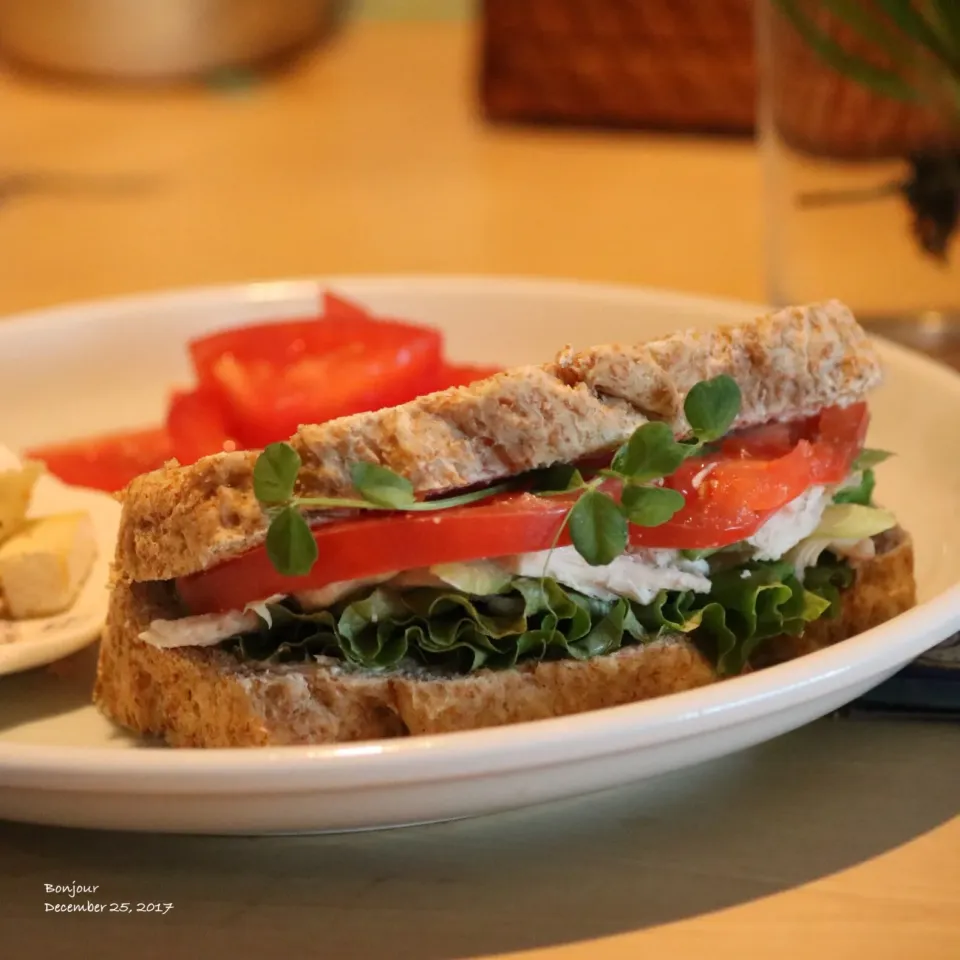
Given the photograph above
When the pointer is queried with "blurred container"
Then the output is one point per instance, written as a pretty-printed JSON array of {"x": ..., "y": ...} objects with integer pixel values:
[{"x": 155, "y": 39}]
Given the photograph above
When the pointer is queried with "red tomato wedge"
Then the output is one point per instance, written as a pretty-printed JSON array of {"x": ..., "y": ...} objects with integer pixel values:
[
  {"x": 269, "y": 402},
  {"x": 107, "y": 462},
  {"x": 280, "y": 342},
  {"x": 196, "y": 425},
  {"x": 462, "y": 374},
  {"x": 272, "y": 377},
  {"x": 333, "y": 305},
  {"x": 727, "y": 499}
]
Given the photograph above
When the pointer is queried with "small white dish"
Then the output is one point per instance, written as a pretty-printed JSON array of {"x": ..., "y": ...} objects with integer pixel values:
[
  {"x": 95, "y": 367},
  {"x": 25, "y": 644}
]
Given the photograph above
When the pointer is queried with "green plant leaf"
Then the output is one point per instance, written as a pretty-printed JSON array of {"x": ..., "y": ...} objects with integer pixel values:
[
  {"x": 560, "y": 478},
  {"x": 879, "y": 32},
  {"x": 712, "y": 406},
  {"x": 275, "y": 473},
  {"x": 885, "y": 82},
  {"x": 598, "y": 528},
  {"x": 650, "y": 453},
  {"x": 870, "y": 458},
  {"x": 651, "y": 506},
  {"x": 381, "y": 486},
  {"x": 290, "y": 544},
  {"x": 912, "y": 23},
  {"x": 948, "y": 15}
]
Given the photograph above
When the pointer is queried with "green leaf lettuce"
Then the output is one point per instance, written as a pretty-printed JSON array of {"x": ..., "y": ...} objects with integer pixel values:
[{"x": 531, "y": 619}]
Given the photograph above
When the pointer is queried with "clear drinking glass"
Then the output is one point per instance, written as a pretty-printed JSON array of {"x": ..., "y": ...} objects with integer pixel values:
[{"x": 859, "y": 127}]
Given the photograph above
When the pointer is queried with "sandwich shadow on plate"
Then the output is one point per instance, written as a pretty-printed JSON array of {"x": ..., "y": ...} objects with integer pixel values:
[{"x": 728, "y": 832}]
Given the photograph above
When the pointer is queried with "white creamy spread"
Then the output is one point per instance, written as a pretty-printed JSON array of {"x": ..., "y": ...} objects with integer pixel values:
[
  {"x": 206, "y": 630},
  {"x": 788, "y": 526},
  {"x": 638, "y": 575}
]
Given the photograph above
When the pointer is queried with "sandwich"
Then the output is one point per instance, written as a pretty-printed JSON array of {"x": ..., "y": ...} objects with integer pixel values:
[{"x": 621, "y": 523}]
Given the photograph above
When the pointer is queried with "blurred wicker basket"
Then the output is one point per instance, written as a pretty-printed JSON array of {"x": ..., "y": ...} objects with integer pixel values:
[{"x": 681, "y": 65}]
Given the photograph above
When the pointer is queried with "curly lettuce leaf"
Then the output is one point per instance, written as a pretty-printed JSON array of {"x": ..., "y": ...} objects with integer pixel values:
[
  {"x": 746, "y": 605},
  {"x": 384, "y": 629},
  {"x": 446, "y": 629},
  {"x": 827, "y": 579}
]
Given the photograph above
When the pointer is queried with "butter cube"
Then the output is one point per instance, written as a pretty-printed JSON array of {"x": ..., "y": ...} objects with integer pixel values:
[
  {"x": 44, "y": 565},
  {"x": 16, "y": 489}
]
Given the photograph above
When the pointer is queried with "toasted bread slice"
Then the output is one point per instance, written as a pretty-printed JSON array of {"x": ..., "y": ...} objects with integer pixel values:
[
  {"x": 180, "y": 520},
  {"x": 203, "y": 697}
]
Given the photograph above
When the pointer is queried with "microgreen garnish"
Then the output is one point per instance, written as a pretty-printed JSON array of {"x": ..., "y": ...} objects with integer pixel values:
[
  {"x": 598, "y": 523},
  {"x": 651, "y": 506},
  {"x": 275, "y": 473},
  {"x": 290, "y": 544},
  {"x": 558, "y": 479},
  {"x": 650, "y": 453},
  {"x": 711, "y": 407},
  {"x": 598, "y": 528},
  {"x": 381, "y": 486}
]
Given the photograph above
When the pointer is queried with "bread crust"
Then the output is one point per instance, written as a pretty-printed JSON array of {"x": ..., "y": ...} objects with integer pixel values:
[
  {"x": 791, "y": 363},
  {"x": 202, "y": 697}
]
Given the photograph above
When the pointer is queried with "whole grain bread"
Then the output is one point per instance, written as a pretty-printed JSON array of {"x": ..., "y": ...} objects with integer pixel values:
[
  {"x": 180, "y": 520},
  {"x": 203, "y": 697}
]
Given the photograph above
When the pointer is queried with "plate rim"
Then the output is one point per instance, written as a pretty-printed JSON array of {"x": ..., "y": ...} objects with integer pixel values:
[{"x": 494, "y": 750}]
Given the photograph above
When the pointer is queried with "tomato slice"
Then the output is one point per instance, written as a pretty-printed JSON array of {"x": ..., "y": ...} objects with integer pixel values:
[
  {"x": 757, "y": 484},
  {"x": 108, "y": 462},
  {"x": 380, "y": 543},
  {"x": 503, "y": 525},
  {"x": 844, "y": 426},
  {"x": 728, "y": 496},
  {"x": 844, "y": 429},
  {"x": 196, "y": 425},
  {"x": 767, "y": 442}
]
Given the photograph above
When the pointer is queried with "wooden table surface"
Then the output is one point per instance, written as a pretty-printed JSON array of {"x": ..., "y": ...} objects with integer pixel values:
[{"x": 839, "y": 841}]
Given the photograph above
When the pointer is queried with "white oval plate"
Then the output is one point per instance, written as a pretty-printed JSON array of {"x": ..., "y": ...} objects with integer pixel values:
[
  {"x": 31, "y": 643},
  {"x": 93, "y": 367}
]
